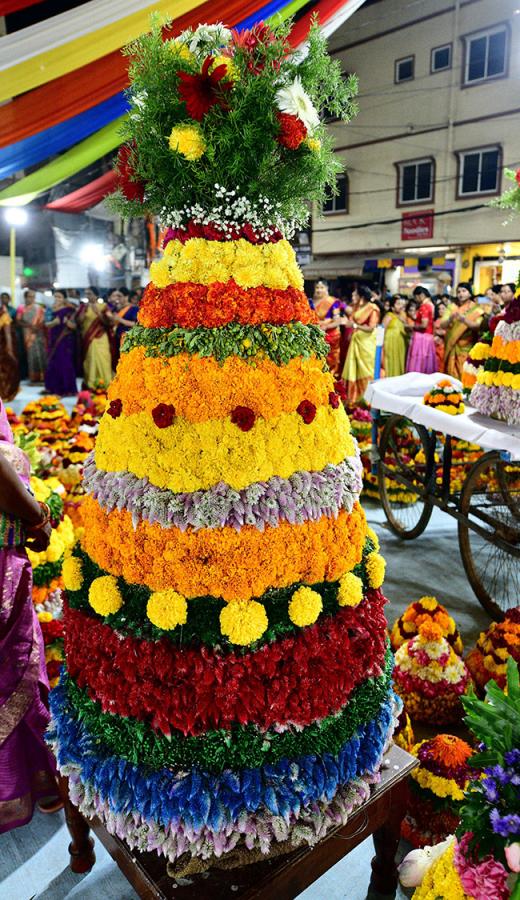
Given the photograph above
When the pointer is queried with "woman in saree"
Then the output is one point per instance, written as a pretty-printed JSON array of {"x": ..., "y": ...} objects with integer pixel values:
[
  {"x": 96, "y": 353},
  {"x": 27, "y": 770},
  {"x": 60, "y": 377},
  {"x": 361, "y": 357},
  {"x": 327, "y": 309},
  {"x": 9, "y": 372},
  {"x": 394, "y": 348},
  {"x": 31, "y": 318},
  {"x": 462, "y": 322},
  {"x": 439, "y": 334},
  {"x": 421, "y": 355}
]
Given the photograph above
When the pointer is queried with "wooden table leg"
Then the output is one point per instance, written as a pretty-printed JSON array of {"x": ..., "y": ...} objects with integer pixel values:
[
  {"x": 386, "y": 841},
  {"x": 81, "y": 847}
]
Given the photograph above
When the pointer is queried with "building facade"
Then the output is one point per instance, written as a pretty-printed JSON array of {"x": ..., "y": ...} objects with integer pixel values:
[{"x": 439, "y": 121}]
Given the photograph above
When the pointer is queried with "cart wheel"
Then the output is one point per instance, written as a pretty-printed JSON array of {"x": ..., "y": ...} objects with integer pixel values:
[
  {"x": 404, "y": 451},
  {"x": 490, "y": 498}
]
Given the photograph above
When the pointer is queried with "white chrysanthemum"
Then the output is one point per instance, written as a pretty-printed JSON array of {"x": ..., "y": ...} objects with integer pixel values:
[
  {"x": 210, "y": 37},
  {"x": 293, "y": 100}
]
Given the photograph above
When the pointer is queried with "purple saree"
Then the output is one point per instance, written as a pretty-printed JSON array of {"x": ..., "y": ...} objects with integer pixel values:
[
  {"x": 60, "y": 375},
  {"x": 26, "y": 766}
]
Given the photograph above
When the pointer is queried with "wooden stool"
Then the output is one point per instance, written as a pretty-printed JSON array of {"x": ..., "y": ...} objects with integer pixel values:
[{"x": 282, "y": 878}]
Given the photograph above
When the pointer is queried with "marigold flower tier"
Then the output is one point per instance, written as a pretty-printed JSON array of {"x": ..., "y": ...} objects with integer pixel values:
[
  {"x": 497, "y": 389},
  {"x": 488, "y": 659},
  {"x": 427, "y": 609},
  {"x": 227, "y": 687}
]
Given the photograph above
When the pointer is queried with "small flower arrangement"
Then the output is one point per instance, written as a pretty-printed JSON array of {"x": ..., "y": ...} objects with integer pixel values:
[
  {"x": 243, "y": 118},
  {"x": 445, "y": 397},
  {"x": 427, "y": 609},
  {"x": 430, "y": 677},
  {"x": 483, "y": 861},
  {"x": 488, "y": 659},
  {"x": 436, "y": 789}
]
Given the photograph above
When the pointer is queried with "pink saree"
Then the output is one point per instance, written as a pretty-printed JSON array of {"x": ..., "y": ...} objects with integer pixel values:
[{"x": 26, "y": 766}]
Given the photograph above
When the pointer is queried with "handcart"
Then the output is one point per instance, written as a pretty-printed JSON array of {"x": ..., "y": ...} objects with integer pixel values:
[{"x": 415, "y": 450}]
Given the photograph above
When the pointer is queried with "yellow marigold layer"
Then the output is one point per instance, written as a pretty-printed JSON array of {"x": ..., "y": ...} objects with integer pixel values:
[
  {"x": 250, "y": 265},
  {"x": 223, "y": 562},
  {"x": 497, "y": 379},
  {"x": 200, "y": 389},
  {"x": 192, "y": 457},
  {"x": 442, "y": 880}
]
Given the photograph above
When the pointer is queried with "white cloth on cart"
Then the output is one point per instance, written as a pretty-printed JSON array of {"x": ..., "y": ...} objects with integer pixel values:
[{"x": 404, "y": 394}]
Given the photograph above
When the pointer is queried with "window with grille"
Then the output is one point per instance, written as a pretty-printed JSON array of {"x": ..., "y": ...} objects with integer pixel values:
[
  {"x": 479, "y": 171},
  {"x": 486, "y": 54},
  {"x": 339, "y": 202},
  {"x": 415, "y": 181}
]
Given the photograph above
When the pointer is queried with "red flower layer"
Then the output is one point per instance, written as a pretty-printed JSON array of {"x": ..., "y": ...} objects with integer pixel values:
[
  {"x": 411, "y": 683},
  {"x": 213, "y": 233},
  {"x": 298, "y": 679},
  {"x": 189, "y": 304}
]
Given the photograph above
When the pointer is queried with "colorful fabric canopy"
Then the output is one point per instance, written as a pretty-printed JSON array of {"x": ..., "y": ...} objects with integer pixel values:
[
  {"x": 87, "y": 196},
  {"x": 82, "y": 155},
  {"x": 60, "y": 137},
  {"x": 88, "y": 85},
  {"x": 58, "y": 45}
]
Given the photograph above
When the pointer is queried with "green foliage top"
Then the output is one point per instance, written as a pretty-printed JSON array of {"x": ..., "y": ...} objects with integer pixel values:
[
  {"x": 238, "y": 111},
  {"x": 510, "y": 199}
]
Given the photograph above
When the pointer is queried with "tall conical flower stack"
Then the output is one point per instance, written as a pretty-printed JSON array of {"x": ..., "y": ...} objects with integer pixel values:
[{"x": 227, "y": 682}]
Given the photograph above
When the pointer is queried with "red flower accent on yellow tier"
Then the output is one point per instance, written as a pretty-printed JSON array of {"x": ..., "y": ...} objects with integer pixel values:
[
  {"x": 202, "y": 91},
  {"x": 217, "y": 562},
  {"x": 193, "y": 689},
  {"x": 188, "y": 304},
  {"x": 163, "y": 415},
  {"x": 292, "y": 131},
  {"x": 115, "y": 408},
  {"x": 307, "y": 411},
  {"x": 334, "y": 399},
  {"x": 244, "y": 417}
]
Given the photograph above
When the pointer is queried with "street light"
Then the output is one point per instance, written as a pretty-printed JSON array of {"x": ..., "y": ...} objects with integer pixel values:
[
  {"x": 16, "y": 217},
  {"x": 93, "y": 255}
]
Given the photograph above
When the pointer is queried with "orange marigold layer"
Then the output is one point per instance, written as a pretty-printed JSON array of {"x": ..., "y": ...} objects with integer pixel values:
[
  {"x": 223, "y": 562},
  {"x": 200, "y": 389},
  {"x": 508, "y": 350},
  {"x": 188, "y": 305}
]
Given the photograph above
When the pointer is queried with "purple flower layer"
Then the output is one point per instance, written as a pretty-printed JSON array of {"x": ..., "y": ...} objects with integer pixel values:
[
  {"x": 503, "y": 402},
  {"x": 305, "y": 496}
]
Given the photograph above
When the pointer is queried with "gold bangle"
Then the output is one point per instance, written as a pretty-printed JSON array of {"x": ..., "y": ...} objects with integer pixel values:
[{"x": 46, "y": 519}]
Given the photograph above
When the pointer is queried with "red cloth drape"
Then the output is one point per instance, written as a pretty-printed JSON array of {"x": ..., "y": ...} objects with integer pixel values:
[
  {"x": 11, "y": 6},
  {"x": 87, "y": 196}
]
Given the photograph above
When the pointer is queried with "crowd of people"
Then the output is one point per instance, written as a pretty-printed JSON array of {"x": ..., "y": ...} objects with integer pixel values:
[
  {"x": 54, "y": 344},
  {"x": 421, "y": 333}
]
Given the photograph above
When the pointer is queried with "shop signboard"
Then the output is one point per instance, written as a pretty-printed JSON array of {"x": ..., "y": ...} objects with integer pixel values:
[{"x": 417, "y": 225}]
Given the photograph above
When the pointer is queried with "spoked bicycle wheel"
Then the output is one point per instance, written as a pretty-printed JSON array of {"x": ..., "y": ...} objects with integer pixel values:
[
  {"x": 490, "y": 499},
  {"x": 404, "y": 476}
]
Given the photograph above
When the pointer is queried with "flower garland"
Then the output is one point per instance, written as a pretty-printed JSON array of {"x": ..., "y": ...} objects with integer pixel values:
[
  {"x": 218, "y": 562},
  {"x": 249, "y": 342},
  {"x": 242, "y": 747},
  {"x": 424, "y": 610},
  {"x": 231, "y": 217},
  {"x": 249, "y": 265},
  {"x": 200, "y": 798},
  {"x": 190, "y": 457},
  {"x": 201, "y": 389},
  {"x": 170, "y": 686},
  {"x": 215, "y": 304},
  {"x": 203, "y": 624},
  {"x": 302, "y": 497}
]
